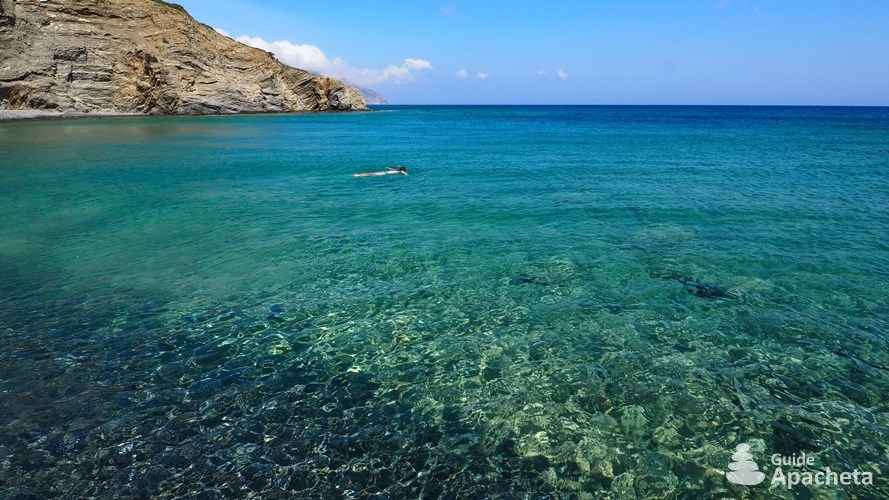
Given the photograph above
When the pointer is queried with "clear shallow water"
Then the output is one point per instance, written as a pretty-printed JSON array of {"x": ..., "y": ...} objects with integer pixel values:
[{"x": 603, "y": 300}]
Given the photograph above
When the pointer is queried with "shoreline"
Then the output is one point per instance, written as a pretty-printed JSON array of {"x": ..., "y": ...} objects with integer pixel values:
[{"x": 15, "y": 115}]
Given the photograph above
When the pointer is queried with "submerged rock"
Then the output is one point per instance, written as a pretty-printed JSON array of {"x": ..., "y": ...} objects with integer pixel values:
[
  {"x": 706, "y": 290},
  {"x": 699, "y": 288},
  {"x": 145, "y": 57},
  {"x": 527, "y": 279}
]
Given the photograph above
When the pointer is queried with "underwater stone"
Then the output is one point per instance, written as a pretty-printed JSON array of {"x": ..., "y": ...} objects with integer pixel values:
[
  {"x": 788, "y": 438},
  {"x": 707, "y": 291},
  {"x": 698, "y": 288},
  {"x": 634, "y": 422},
  {"x": 622, "y": 486},
  {"x": 451, "y": 413},
  {"x": 527, "y": 279},
  {"x": 667, "y": 436},
  {"x": 258, "y": 476},
  {"x": 683, "y": 347}
]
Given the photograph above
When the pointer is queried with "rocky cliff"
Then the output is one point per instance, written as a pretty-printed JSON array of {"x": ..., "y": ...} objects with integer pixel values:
[{"x": 144, "y": 56}]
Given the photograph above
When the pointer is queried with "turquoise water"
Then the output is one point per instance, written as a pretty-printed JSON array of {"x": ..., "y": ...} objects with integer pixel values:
[{"x": 600, "y": 300}]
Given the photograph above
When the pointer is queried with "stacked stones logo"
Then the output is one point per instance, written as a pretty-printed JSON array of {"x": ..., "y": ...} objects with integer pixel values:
[{"x": 744, "y": 469}]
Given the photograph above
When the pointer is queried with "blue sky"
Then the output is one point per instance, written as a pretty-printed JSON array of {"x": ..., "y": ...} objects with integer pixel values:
[{"x": 821, "y": 52}]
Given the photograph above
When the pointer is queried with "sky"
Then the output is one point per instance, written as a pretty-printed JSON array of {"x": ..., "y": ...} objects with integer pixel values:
[{"x": 746, "y": 52}]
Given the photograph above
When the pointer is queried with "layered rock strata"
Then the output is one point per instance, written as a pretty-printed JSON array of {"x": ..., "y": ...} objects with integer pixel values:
[{"x": 145, "y": 57}]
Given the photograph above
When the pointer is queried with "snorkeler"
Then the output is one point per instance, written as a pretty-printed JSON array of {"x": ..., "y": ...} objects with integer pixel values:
[{"x": 388, "y": 171}]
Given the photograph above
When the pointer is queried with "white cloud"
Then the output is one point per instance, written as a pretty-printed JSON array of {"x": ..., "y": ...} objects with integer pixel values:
[
  {"x": 312, "y": 58},
  {"x": 482, "y": 76},
  {"x": 417, "y": 64},
  {"x": 541, "y": 72},
  {"x": 723, "y": 3},
  {"x": 223, "y": 32},
  {"x": 462, "y": 74},
  {"x": 562, "y": 74}
]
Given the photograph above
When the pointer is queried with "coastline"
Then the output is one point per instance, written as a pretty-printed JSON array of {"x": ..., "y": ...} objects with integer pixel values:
[
  {"x": 10, "y": 115},
  {"x": 14, "y": 115}
]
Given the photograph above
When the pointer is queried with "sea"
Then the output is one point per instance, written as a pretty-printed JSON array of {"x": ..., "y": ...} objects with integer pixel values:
[{"x": 566, "y": 301}]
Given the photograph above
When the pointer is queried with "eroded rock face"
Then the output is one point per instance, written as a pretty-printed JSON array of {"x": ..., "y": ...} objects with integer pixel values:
[{"x": 143, "y": 56}]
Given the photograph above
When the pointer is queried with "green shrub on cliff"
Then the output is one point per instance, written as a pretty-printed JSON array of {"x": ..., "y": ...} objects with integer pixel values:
[{"x": 174, "y": 5}]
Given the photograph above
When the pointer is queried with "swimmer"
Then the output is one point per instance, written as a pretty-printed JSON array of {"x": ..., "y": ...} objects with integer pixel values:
[{"x": 388, "y": 171}]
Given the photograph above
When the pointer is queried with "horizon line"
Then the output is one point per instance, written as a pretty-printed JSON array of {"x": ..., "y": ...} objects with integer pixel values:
[{"x": 651, "y": 105}]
